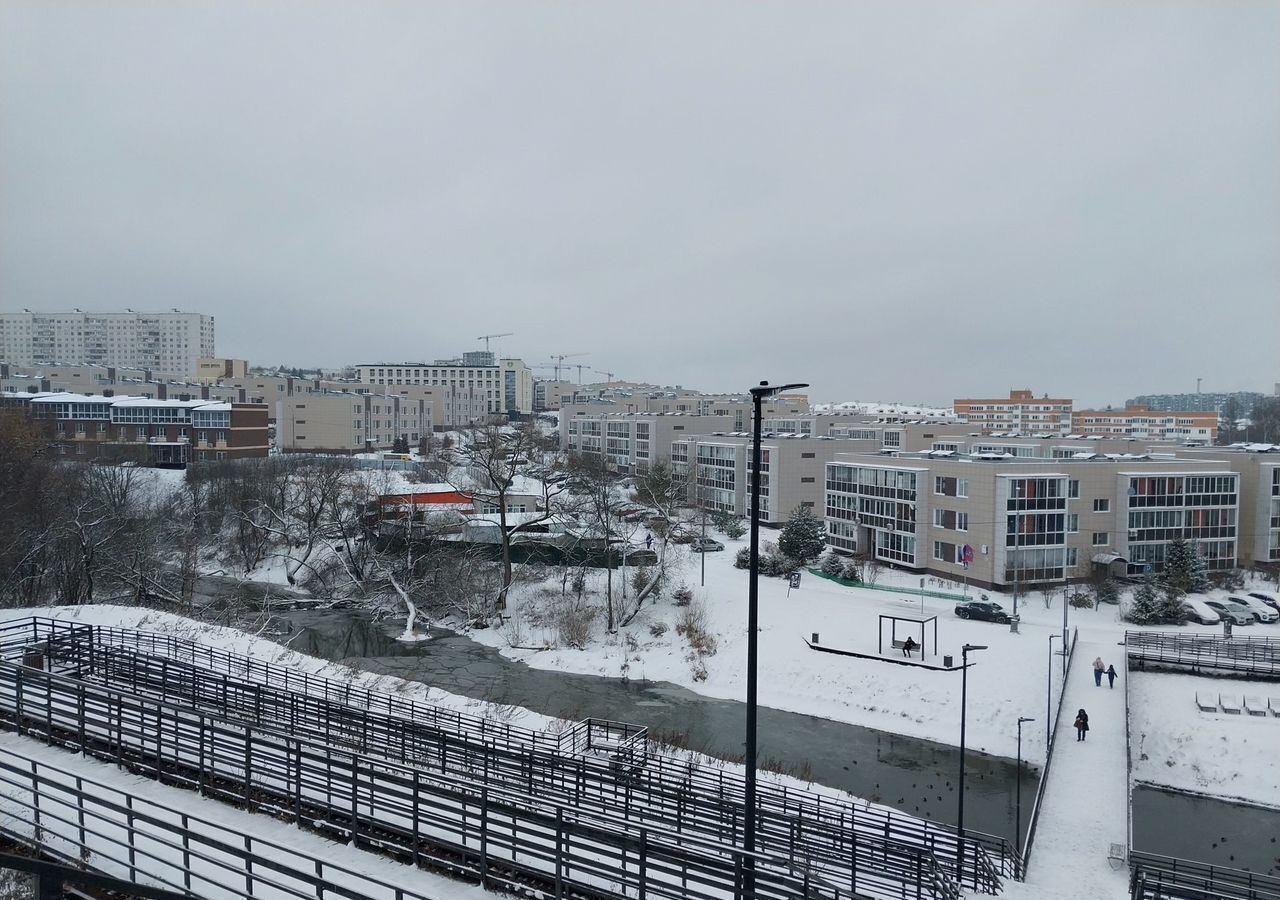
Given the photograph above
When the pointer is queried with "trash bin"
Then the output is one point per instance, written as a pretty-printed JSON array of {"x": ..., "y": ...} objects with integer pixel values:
[
  {"x": 1013, "y": 624},
  {"x": 946, "y": 661},
  {"x": 1226, "y": 628}
]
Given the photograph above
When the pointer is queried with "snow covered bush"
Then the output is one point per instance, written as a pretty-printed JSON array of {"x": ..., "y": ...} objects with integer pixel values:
[
  {"x": 1081, "y": 600},
  {"x": 832, "y": 565},
  {"x": 742, "y": 560},
  {"x": 1146, "y": 608},
  {"x": 640, "y": 579},
  {"x": 657, "y": 629},
  {"x": 683, "y": 595},
  {"x": 1108, "y": 592},
  {"x": 729, "y": 523},
  {"x": 852, "y": 570}
]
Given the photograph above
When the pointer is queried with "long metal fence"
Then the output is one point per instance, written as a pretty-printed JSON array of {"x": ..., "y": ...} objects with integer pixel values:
[
  {"x": 831, "y": 835},
  {"x": 1153, "y": 877},
  {"x": 1255, "y": 656},
  {"x": 1034, "y": 818}
]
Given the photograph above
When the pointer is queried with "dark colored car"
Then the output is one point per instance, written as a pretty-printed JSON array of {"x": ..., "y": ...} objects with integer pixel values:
[{"x": 982, "y": 609}]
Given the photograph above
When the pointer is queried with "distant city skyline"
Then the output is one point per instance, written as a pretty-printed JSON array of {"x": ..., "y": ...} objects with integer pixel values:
[{"x": 901, "y": 201}]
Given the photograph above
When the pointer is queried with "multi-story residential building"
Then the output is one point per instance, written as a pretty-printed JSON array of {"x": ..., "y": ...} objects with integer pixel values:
[
  {"x": 507, "y": 384},
  {"x": 631, "y": 443},
  {"x": 717, "y": 470},
  {"x": 1209, "y": 401},
  {"x": 1022, "y": 412},
  {"x": 347, "y": 422},
  {"x": 1148, "y": 425},
  {"x": 168, "y": 341},
  {"x": 1001, "y": 521},
  {"x": 1258, "y": 466},
  {"x": 143, "y": 429}
]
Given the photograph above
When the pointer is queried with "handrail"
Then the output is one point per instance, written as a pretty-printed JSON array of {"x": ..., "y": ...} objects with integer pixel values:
[
  {"x": 1048, "y": 761},
  {"x": 1176, "y": 879},
  {"x": 727, "y": 786}
]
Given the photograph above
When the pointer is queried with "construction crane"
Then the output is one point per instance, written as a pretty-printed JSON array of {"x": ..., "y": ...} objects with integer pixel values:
[
  {"x": 608, "y": 375},
  {"x": 486, "y": 337},
  {"x": 561, "y": 357}
]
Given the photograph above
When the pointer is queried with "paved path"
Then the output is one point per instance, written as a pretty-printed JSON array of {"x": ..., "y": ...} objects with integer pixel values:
[{"x": 1084, "y": 803}]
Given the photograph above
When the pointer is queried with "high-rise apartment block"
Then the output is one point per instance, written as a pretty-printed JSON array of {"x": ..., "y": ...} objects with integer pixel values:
[
  {"x": 171, "y": 342},
  {"x": 1022, "y": 412},
  {"x": 507, "y": 383}
]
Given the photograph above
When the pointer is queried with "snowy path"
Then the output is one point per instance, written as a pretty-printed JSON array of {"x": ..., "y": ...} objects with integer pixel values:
[{"x": 1084, "y": 803}]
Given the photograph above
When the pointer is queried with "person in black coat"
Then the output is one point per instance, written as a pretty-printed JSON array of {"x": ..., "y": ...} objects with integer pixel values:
[
  {"x": 1111, "y": 677},
  {"x": 1082, "y": 725}
]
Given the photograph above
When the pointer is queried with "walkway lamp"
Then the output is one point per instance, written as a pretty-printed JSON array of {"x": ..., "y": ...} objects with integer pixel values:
[
  {"x": 758, "y": 395},
  {"x": 964, "y": 690},
  {"x": 1017, "y": 828}
]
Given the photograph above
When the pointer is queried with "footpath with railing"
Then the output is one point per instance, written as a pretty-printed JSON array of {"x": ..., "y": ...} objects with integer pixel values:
[
  {"x": 1257, "y": 657},
  {"x": 633, "y": 799},
  {"x": 1036, "y": 804}
]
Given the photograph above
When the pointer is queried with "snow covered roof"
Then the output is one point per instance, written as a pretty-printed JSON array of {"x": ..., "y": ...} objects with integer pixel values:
[
  {"x": 79, "y": 398},
  {"x": 172, "y": 404}
]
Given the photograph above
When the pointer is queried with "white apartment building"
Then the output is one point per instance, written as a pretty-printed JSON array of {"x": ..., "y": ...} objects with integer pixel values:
[
  {"x": 166, "y": 342},
  {"x": 507, "y": 384},
  {"x": 340, "y": 422}
]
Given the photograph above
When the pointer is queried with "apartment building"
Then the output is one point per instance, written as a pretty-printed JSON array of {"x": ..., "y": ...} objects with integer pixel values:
[
  {"x": 507, "y": 384},
  {"x": 169, "y": 433},
  {"x": 1022, "y": 412},
  {"x": 718, "y": 474},
  {"x": 631, "y": 443},
  {"x": 347, "y": 422},
  {"x": 210, "y": 370},
  {"x": 1003, "y": 521},
  {"x": 167, "y": 341},
  {"x": 1148, "y": 425},
  {"x": 1258, "y": 466}
]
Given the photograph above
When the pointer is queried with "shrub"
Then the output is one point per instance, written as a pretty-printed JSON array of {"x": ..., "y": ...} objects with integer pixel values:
[
  {"x": 803, "y": 537},
  {"x": 734, "y": 529},
  {"x": 683, "y": 595},
  {"x": 743, "y": 558},
  {"x": 1108, "y": 592},
  {"x": 1081, "y": 600},
  {"x": 832, "y": 565},
  {"x": 658, "y": 629},
  {"x": 852, "y": 571},
  {"x": 640, "y": 578}
]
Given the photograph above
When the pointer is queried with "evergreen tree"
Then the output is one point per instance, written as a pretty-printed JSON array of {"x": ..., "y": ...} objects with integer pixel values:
[
  {"x": 803, "y": 538},
  {"x": 1178, "y": 563},
  {"x": 1171, "y": 610},
  {"x": 1145, "y": 608},
  {"x": 832, "y": 565},
  {"x": 1199, "y": 573}
]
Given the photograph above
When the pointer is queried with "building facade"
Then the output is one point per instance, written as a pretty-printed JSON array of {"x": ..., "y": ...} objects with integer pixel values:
[
  {"x": 1006, "y": 521},
  {"x": 631, "y": 443},
  {"x": 1148, "y": 425},
  {"x": 1022, "y": 413},
  {"x": 165, "y": 342},
  {"x": 507, "y": 384},
  {"x": 146, "y": 430}
]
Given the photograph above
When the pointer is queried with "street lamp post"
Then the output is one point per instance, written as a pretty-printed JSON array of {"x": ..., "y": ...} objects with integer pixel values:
[
  {"x": 758, "y": 395},
  {"x": 1048, "y": 696},
  {"x": 1017, "y": 828},
  {"x": 964, "y": 690}
]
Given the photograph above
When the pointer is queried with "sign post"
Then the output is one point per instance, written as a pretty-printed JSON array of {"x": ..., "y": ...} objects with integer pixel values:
[{"x": 793, "y": 582}]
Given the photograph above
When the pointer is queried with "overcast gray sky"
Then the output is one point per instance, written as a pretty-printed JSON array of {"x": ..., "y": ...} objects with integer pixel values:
[{"x": 895, "y": 200}]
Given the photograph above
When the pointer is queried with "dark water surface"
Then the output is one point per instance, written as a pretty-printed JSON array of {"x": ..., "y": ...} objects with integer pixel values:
[
  {"x": 916, "y": 776},
  {"x": 1207, "y": 830}
]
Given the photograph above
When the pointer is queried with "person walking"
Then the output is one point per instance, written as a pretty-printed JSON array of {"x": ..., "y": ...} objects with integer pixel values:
[
  {"x": 648, "y": 541},
  {"x": 1111, "y": 677},
  {"x": 1082, "y": 725},
  {"x": 1098, "y": 668}
]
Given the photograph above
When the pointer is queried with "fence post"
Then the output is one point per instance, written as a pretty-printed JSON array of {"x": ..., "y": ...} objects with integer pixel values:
[
  {"x": 644, "y": 862},
  {"x": 186, "y": 852},
  {"x": 248, "y": 864},
  {"x": 128, "y": 803},
  {"x": 559, "y": 852},
  {"x": 484, "y": 835},
  {"x": 35, "y": 799}
]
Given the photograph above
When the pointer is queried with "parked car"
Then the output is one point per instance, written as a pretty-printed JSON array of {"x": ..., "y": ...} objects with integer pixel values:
[
  {"x": 1199, "y": 611},
  {"x": 1232, "y": 612},
  {"x": 705, "y": 545},
  {"x": 1260, "y": 610},
  {"x": 1268, "y": 598},
  {"x": 985, "y": 610}
]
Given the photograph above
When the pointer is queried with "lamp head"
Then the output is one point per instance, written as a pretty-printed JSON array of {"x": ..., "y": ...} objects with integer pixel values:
[
  {"x": 767, "y": 390},
  {"x": 1022, "y": 719},
  {"x": 967, "y": 647}
]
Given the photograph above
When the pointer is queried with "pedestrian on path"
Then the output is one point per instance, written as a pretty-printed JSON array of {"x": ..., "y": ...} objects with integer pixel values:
[
  {"x": 1111, "y": 677},
  {"x": 1082, "y": 724},
  {"x": 648, "y": 541},
  {"x": 1098, "y": 668}
]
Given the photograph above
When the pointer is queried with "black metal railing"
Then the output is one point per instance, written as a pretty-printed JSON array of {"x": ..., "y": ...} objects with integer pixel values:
[
  {"x": 1153, "y": 877},
  {"x": 827, "y": 832},
  {"x": 1257, "y": 656},
  {"x": 501, "y": 835},
  {"x": 148, "y": 850}
]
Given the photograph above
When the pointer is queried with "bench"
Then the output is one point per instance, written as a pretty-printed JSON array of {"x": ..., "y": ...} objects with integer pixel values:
[
  {"x": 898, "y": 645},
  {"x": 1274, "y": 703},
  {"x": 1254, "y": 705},
  {"x": 1229, "y": 705},
  {"x": 1206, "y": 702},
  {"x": 1118, "y": 855}
]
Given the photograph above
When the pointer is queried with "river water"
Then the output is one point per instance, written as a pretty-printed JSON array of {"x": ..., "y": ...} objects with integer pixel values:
[{"x": 913, "y": 775}]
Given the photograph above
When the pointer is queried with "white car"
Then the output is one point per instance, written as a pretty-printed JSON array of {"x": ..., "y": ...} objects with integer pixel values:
[
  {"x": 1268, "y": 598},
  {"x": 1232, "y": 612},
  {"x": 1260, "y": 610},
  {"x": 1199, "y": 611}
]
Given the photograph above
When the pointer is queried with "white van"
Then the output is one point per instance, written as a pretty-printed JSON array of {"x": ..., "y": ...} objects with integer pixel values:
[{"x": 1199, "y": 611}]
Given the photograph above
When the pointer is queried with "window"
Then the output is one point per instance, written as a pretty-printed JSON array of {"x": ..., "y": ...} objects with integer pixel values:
[
  {"x": 1073, "y": 487},
  {"x": 1073, "y": 522},
  {"x": 962, "y": 487},
  {"x": 1072, "y": 557},
  {"x": 1101, "y": 538},
  {"x": 962, "y": 521},
  {"x": 804, "y": 480},
  {"x": 807, "y": 456},
  {"x": 1101, "y": 504}
]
